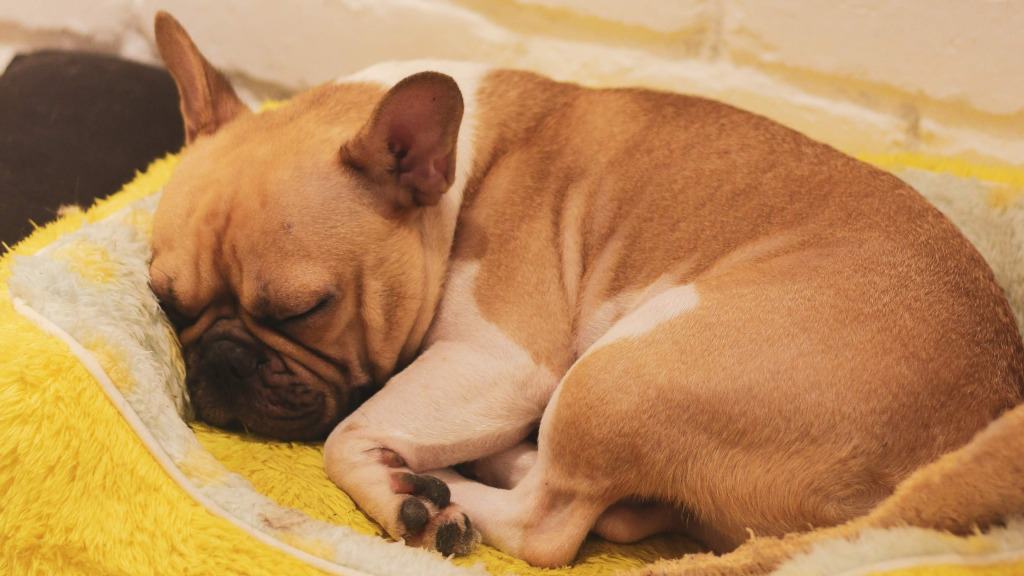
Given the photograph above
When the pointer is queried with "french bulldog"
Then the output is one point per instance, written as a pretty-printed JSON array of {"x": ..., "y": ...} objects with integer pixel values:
[{"x": 708, "y": 322}]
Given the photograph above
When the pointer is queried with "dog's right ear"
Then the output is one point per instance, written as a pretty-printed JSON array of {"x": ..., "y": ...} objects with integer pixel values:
[
  {"x": 207, "y": 99},
  {"x": 408, "y": 144}
]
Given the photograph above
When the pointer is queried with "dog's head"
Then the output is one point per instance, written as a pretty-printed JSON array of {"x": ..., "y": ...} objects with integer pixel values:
[{"x": 286, "y": 246}]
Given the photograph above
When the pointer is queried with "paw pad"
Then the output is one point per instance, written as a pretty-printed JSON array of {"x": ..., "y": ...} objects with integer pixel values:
[
  {"x": 453, "y": 538},
  {"x": 428, "y": 487},
  {"x": 413, "y": 515}
]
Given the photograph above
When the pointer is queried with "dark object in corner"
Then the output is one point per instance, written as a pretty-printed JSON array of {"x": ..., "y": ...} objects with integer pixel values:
[{"x": 76, "y": 126}]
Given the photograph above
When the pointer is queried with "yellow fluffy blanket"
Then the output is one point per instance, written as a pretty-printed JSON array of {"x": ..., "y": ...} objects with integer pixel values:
[{"x": 101, "y": 471}]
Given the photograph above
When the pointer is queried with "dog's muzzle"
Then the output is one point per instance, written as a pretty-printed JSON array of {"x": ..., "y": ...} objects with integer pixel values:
[{"x": 236, "y": 382}]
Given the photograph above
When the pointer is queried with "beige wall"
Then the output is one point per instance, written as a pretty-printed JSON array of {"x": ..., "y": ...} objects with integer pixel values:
[{"x": 943, "y": 77}]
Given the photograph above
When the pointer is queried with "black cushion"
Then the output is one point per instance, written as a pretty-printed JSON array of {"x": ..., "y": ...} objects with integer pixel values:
[{"x": 76, "y": 126}]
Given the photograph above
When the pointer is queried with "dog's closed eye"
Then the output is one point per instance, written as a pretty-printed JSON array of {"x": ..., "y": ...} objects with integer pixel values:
[{"x": 316, "y": 308}]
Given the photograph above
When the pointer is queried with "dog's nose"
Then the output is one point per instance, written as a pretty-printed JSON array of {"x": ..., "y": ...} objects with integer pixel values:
[{"x": 230, "y": 362}]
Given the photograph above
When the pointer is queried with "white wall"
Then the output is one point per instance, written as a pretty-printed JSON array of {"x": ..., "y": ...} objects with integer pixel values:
[{"x": 935, "y": 76}]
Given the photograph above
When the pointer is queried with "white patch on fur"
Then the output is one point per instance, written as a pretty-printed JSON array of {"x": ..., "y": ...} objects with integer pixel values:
[
  {"x": 473, "y": 391},
  {"x": 635, "y": 313},
  {"x": 628, "y": 315},
  {"x": 438, "y": 221},
  {"x": 460, "y": 320},
  {"x": 661, "y": 308}
]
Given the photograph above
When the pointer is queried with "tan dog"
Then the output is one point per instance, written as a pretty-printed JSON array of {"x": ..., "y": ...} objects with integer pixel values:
[{"x": 697, "y": 306}]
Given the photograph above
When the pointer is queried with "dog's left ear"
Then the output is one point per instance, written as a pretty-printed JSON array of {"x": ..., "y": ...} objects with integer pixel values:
[
  {"x": 207, "y": 99},
  {"x": 408, "y": 145}
]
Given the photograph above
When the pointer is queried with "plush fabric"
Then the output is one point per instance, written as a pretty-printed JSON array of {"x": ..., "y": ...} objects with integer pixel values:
[
  {"x": 100, "y": 471},
  {"x": 81, "y": 494},
  {"x": 76, "y": 126}
]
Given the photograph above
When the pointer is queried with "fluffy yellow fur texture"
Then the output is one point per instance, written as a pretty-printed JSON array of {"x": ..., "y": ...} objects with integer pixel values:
[{"x": 99, "y": 472}]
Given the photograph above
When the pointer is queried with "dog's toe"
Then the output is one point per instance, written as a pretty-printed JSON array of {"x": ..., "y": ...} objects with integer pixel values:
[
  {"x": 455, "y": 536},
  {"x": 429, "y": 487},
  {"x": 447, "y": 535},
  {"x": 413, "y": 515}
]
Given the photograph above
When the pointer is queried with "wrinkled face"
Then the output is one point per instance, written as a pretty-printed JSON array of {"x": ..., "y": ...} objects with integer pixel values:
[
  {"x": 286, "y": 249},
  {"x": 264, "y": 248}
]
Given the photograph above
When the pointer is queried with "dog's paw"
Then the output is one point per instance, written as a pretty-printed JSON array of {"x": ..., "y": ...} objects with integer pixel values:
[
  {"x": 415, "y": 508},
  {"x": 427, "y": 518}
]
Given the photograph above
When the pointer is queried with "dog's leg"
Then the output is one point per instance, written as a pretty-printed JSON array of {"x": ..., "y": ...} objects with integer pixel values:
[
  {"x": 624, "y": 523},
  {"x": 543, "y": 520},
  {"x": 504, "y": 469},
  {"x": 627, "y": 522},
  {"x": 456, "y": 403},
  {"x": 545, "y": 516}
]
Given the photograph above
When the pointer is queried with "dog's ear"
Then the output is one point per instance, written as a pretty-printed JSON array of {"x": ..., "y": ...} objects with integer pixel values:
[
  {"x": 408, "y": 144},
  {"x": 207, "y": 99}
]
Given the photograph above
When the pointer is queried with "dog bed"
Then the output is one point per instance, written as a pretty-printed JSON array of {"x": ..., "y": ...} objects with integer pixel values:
[{"x": 103, "y": 472}]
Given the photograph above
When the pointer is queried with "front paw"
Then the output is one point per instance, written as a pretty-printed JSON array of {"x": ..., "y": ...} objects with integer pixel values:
[
  {"x": 413, "y": 507},
  {"x": 427, "y": 518}
]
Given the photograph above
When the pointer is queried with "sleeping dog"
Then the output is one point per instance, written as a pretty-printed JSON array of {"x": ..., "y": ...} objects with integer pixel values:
[{"x": 713, "y": 323}]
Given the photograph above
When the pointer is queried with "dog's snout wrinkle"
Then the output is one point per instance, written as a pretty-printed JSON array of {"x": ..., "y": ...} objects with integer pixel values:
[
  {"x": 276, "y": 365},
  {"x": 289, "y": 351}
]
